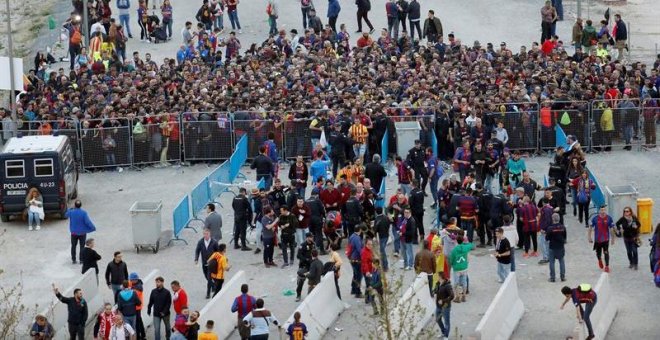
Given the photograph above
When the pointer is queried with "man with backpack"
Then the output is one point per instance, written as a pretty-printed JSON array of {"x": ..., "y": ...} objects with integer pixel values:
[
  {"x": 583, "y": 294},
  {"x": 218, "y": 264},
  {"x": 128, "y": 302},
  {"x": 75, "y": 40},
  {"x": 204, "y": 15},
  {"x": 272, "y": 9}
]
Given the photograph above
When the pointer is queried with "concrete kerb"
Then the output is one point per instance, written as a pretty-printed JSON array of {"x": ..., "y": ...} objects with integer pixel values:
[
  {"x": 603, "y": 313},
  {"x": 320, "y": 309},
  {"x": 219, "y": 308},
  {"x": 57, "y": 313},
  {"x": 503, "y": 313},
  {"x": 148, "y": 284},
  {"x": 415, "y": 306}
]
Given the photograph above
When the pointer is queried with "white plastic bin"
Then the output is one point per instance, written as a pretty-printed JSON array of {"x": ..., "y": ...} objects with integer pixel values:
[
  {"x": 619, "y": 197},
  {"x": 406, "y": 134},
  {"x": 146, "y": 224}
]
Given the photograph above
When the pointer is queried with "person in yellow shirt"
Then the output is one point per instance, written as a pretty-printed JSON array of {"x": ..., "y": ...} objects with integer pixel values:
[
  {"x": 218, "y": 264},
  {"x": 437, "y": 250},
  {"x": 601, "y": 52},
  {"x": 346, "y": 170},
  {"x": 360, "y": 135},
  {"x": 208, "y": 334}
]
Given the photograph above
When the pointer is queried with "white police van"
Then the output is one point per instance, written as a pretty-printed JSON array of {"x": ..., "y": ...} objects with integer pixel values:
[{"x": 43, "y": 162}]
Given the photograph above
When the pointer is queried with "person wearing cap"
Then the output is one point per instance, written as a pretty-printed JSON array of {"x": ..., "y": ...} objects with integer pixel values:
[
  {"x": 582, "y": 294},
  {"x": 138, "y": 287},
  {"x": 305, "y": 258},
  {"x": 128, "y": 302}
]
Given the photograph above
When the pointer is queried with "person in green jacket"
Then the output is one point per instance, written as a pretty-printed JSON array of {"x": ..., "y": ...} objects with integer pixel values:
[
  {"x": 589, "y": 37},
  {"x": 459, "y": 264}
]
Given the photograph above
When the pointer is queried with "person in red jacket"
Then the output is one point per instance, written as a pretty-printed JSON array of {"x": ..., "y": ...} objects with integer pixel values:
[
  {"x": 344, "y": 188},
  {"x": 330, "y": 196},
  {"x": 366, "y": 267},
  {"x": 365, "y": 40},
  {"x": 179, "y": 297},
  {"x": 549, "y": 45}
]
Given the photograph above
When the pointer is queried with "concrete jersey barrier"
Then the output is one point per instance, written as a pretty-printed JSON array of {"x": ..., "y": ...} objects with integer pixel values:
[
  {"x": 320, "y": 309},
  {"x": 416, "y": 296},
  {"x": 219, "y": 308},
  {"x": 603, "y": 313},
  {"x": 57, "y": 313},
  {"x": 148, "y": 284},
  {"x": 503, "y": 314}
]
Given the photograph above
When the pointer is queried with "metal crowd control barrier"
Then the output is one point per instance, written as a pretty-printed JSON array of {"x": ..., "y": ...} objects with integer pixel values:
[
  {"x": 207, "y": 136},
  {"x": 238, "y": 158},
  {"x": 181, "y": 219},
  {"x": 105, "y": 143},
  {"x": 62, "y": 127},
  {"x": 520, "y": 121},
  {"x": 257, "y": 133},
  {"x": 385, "y": 147},
  {"x": 156, "y": 140},
  {"x": 572, "y": 116},
  {"x": 200, "y": 196},
  {"x": 297, "y": 138},
  {"x": 615, "y": 123}
]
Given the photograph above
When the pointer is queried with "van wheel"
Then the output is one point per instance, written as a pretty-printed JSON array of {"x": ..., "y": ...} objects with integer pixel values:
[
  {"x": 156, "y": 247},
  {"x": 4, "y": 218}
]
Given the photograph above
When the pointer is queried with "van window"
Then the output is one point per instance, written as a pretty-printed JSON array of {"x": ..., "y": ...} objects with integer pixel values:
[
  {"x": 43, "y": 167},
  {"x": 14, "y": 168}
]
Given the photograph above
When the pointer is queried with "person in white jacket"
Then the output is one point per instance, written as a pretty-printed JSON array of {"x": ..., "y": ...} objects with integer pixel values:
[{"x": 259, "y": 321}]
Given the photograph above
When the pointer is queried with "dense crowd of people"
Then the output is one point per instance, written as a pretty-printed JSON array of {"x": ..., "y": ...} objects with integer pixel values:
[{"x": 348, "y": 94}]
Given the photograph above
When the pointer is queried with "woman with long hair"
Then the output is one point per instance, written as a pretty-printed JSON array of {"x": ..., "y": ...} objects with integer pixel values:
[
  {"x": 574, "y": 171},
  {"x": 630, "y": 225},
  {"x": 34, "y": 206},
  {"x": 583, "y": 186},
  {"x": 654, "y": 256}
]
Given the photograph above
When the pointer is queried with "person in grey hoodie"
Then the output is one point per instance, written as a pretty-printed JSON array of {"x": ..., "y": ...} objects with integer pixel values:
[
  {"x": 630, "y": 119},
  {"x": 127, "y": 303}
]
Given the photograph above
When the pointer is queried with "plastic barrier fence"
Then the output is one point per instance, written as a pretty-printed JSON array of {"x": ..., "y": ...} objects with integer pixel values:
[
  {"x": 381, "y": 202},
  {"x": 560, "y": 137},
  {"x": 320, "y": 309},
  {"x": 238, "y": 158},
  {"x": 199, "y": 197},
  {"x": 417, "y": 306},
  {"x": 261, "y": 184},
  {"x": 385, "y": 148},
  {"x": 219, "y": 308},
  {"x": 57, "y": 313},
  {"x": 503, "y": 314},
  {"x": 603, "y": 313},
  {"x": 434, "y": 144},
  {"x": 180, "y": 218},
  {"x": 148, "y": 284},
  {"x": 220, "y": 181},
  {"x": 597, "y": 195}
]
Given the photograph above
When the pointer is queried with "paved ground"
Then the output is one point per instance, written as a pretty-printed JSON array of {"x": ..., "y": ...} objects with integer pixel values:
[{"x": 40, "y": 258}]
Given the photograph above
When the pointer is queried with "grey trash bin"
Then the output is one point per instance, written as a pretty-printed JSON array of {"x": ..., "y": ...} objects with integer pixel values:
[
  {"x": 619, "y": 197},
  {"x": 146, "y": 224},
  {"x": 406, "y": 133}
]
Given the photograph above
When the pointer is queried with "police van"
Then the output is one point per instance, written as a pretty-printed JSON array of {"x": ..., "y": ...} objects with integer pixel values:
[{"x": 43, "y": 162}]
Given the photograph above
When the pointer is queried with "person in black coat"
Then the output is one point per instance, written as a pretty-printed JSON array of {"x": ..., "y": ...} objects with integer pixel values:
[
  {"x": 415, "y": 159},
  {"x": 375, "y": 172},
  {"x": 353, "y": 213},
  {"x": 264, "y": 167},
  {"x": 77, "y": 312},
  {"x": 339, "y": 143},
  {"x": 416, "y": 202},
  {"x": 242, "y": 217},
  {"x": 89, "y": 257},
  {"x": 160, "y": 301},
  {"x": 205, "y": 247},
  {"x": 363, "y": 8},
  {"x": 414, "y": 18},
  {"x": 317, "y": 213},
  {"x": 116, "y": 273}
]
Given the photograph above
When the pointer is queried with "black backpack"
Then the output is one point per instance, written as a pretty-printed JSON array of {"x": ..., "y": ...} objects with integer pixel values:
[
  {"x": 213, "y": 266},
  {"x": 328, "y": 267}
]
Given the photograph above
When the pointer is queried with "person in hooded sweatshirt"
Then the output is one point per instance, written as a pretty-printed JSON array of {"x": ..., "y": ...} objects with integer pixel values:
[
  {"x": 127, "y": 303},
  {"x": 138, "y": 288}
]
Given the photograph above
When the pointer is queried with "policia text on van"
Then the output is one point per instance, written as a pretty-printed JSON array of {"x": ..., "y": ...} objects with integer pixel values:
[{"x": 43, "y": 162}]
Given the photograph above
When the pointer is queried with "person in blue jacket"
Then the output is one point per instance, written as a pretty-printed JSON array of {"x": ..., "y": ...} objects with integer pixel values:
[
  {"x": 333, "y": 13},
  {"x": 79, "y": 226}
]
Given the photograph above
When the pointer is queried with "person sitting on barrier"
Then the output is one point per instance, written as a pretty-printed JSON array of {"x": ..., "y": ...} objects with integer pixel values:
[
  {"x": 42, "y": 329},
  {"x": 375, "y": 286},
  {"x": 583, "y": 294},
  {"x": 259, "y": 320}
]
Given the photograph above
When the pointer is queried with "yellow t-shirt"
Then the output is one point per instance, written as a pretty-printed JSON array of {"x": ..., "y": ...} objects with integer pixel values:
[
  {"x": 222, "y": 264},
  {"x": 207, "y": 336}
]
